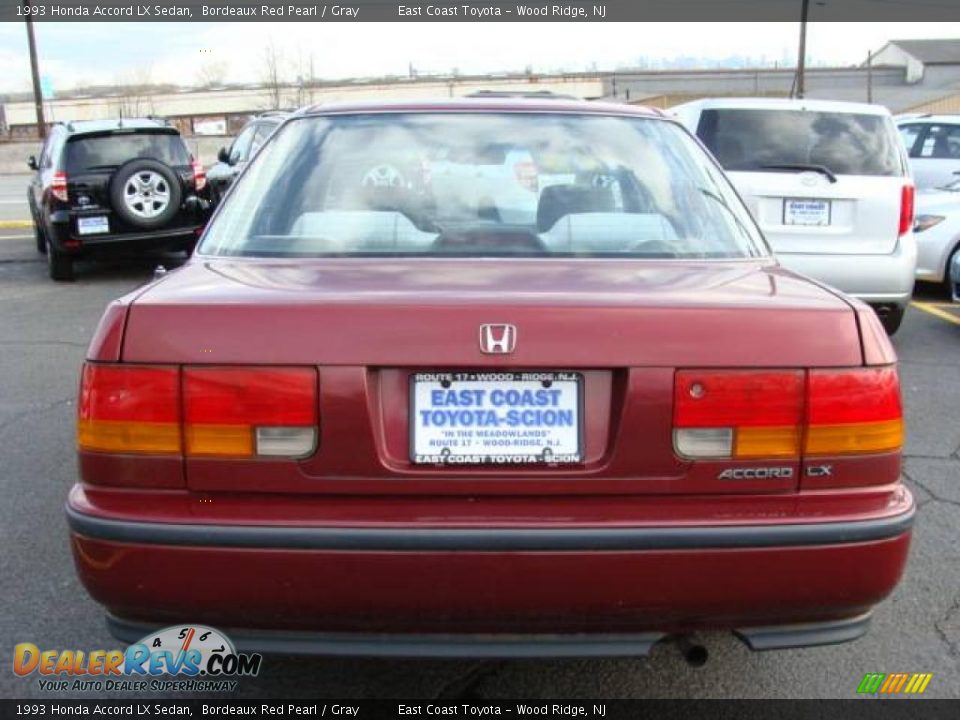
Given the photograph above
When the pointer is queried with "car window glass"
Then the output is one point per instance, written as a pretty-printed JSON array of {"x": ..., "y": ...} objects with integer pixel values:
[
  {"x": 240, "y": 150},
  {"x": 102, "y": 152},
  {"x": 46, "y": 154},
  {"x": 480, "y": 185},
  {"x": 909, "y": 135},
  {"x": 926, "y": 150},
  {"x": 262, "y": 133},
  {"x": 844, "y": 143},
  {"x": 942, "y": 143}
]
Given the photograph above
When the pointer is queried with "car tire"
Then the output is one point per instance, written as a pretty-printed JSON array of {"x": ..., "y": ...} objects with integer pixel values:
[
  {"x": 145, "y": 193},
  {"x": 947, "y": 287},
  {"x": 892, "y": 319},
  {"x": 40, "y": 237},
  {"x": 59, "y": 265}
]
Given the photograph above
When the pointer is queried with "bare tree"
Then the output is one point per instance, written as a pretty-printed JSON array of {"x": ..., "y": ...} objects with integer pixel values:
[
  {"x": 272, "y": 75},
  {"x": 135, "y": 96},
  {"x": 211, "y": 73},
  {"x": 306, "y": 78}
]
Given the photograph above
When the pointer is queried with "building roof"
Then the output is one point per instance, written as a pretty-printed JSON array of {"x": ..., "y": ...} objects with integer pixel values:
[{"x": 931, "y": 52}]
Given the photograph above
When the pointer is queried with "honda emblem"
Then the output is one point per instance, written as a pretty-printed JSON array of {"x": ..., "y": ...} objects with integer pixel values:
[{"x": 498, "y": 339}]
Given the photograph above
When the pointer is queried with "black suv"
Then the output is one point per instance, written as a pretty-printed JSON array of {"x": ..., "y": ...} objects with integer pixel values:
[
  {"x": 114, "y": 185},
  {"x": 244, "y": 147}
]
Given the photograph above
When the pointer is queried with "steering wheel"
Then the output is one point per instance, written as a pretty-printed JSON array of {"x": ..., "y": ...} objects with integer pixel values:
[{"x": 383, "y": 175}]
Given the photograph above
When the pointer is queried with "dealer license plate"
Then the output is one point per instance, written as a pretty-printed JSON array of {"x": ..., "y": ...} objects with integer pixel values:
[
  {"x": 92, "y": 225},
  {"x": 496, "y": 418},
  {"x": 806, "y": 212}
]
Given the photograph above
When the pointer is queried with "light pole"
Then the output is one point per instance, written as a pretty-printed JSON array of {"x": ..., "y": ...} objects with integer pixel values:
[
  {"x": 802, "y": 58},
  {"x": 35, "y": 72}
]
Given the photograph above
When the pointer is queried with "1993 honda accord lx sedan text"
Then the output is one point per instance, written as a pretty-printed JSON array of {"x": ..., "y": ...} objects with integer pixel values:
[{"x": 370, "y": 416}]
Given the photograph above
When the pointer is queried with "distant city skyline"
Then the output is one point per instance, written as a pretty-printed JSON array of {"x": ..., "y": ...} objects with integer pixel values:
[{"x": 191, "y": 54}]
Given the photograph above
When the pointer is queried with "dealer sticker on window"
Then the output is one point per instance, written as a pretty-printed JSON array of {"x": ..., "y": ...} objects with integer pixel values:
[{"x": 496, "y": 417}]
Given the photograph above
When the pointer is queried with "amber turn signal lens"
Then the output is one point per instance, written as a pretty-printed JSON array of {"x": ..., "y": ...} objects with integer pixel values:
[
  {"x": 885, "y": 436},
  {"x": 130, "y": 409},
  {"x": 767, "y": 442}
]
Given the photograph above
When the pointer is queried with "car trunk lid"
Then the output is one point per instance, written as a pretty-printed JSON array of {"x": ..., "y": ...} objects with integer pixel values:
[{"x": 423, "y": 312}]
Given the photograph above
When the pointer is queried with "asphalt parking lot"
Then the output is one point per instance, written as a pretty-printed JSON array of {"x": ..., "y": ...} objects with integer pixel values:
[{"x": 44, "y": 330}]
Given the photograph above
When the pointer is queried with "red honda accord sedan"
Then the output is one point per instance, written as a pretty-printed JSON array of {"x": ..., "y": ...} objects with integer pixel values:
[{"x": 488, "y": 377}]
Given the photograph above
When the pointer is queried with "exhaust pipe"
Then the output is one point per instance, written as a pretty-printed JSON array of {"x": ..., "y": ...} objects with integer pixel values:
[{"x": 694, "y": 654}]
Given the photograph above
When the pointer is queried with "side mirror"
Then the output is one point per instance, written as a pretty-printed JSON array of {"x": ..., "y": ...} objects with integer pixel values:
[
  {"x": 224, "y": 155},
  {"x": 32, "y": 162}
]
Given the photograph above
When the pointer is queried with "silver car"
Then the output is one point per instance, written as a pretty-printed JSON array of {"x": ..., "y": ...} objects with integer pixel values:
[
  {"x": 933, "y": 145},
  {"x": 829, "y": 185},
  {"x": 937, "y": 228}
]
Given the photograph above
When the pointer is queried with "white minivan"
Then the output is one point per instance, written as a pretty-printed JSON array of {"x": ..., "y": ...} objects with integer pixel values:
[{"x": 829, "y": 185}]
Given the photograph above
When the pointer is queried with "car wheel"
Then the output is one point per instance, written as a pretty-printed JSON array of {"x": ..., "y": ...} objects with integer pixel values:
[
  {"x": 40, "y": 237},
  {"x": 947, "y": 287},
  {"x": 891, "y": 319},
  {"x": 59, "y": 265},
  {"x": 145, "y": 193}
]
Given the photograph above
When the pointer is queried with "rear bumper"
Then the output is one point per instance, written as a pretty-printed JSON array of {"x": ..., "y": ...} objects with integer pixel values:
[
  {"x": 875, "y": 279},
  {"x": 284, "y": 538},
  {"x": 157, "y": 239},
  {"x": 500, "y": 591},
  {"x": 436, "y": 645}
]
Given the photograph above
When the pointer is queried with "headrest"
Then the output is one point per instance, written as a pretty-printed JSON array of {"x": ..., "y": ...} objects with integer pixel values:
[{"x": 556, "y": 201}]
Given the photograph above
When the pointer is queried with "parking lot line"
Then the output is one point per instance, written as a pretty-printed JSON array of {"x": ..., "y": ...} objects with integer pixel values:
[
  {"x": 15, "y": 224},
  {"x": 936, "y": 310}
]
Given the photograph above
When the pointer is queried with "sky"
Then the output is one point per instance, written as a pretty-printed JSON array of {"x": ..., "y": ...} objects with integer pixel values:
[{"x": 77, "y": 54}]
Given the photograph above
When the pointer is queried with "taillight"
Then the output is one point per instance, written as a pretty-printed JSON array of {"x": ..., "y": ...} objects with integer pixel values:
[
  {"x": 906, "y": 208},
  {"x": 786, "y": 414},
  {"x": 237, "y": 412},
  {"x": 527, "y": 176},
  {"x": 129, "y": 409},
  {"x": 245, "y": 412},
  {"x": 853, "y": 411},
  {"x": 738, "y": 414},
  {"x": 58, "y": 186},
  {"x": 199, "y": 175}
]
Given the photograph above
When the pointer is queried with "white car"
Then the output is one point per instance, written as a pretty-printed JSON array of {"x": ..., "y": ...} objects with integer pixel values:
[
  {"x": 937, "y": 228},
  {"x": 829, "y": 185},
  {"x": 933, "y": 145}
]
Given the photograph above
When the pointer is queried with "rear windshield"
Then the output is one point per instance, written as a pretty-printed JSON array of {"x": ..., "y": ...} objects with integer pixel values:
[
  {"x": 483, "y": 184},
  {"x": 844, "y": 143},
  {"x": 102, "y": 152}
]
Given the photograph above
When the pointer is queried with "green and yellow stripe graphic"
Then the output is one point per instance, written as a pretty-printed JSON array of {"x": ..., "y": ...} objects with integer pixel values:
[{"x": 894, "y": 683}]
